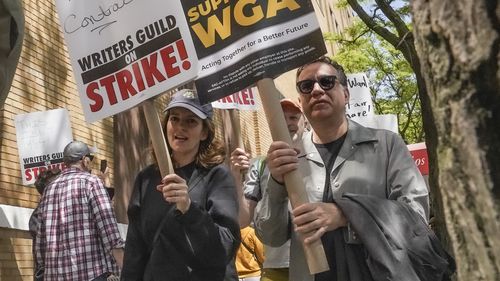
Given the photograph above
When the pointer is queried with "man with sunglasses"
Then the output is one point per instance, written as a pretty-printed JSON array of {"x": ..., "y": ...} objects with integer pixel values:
[
  {"x": 337, "y": 156},
  {"x": 77, "y": 235}
]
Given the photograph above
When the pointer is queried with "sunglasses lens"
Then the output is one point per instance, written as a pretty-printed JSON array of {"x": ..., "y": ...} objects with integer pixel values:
[
  {"x": 305, "y": 86},
  {"x": 327, "y": 82}
]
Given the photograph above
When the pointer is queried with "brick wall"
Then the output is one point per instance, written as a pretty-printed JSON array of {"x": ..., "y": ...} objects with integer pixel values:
[
  {"x": 43, "y": 81},
  {"x": 16, "y": 261}
]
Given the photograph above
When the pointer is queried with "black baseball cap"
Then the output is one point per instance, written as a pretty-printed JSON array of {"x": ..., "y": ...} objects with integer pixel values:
[{"x": 188, "y": 99}]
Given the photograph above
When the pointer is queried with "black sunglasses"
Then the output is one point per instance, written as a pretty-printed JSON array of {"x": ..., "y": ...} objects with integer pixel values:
[
  {"x": 325, "y": 82},
  {"x": 90, "y": 156}
]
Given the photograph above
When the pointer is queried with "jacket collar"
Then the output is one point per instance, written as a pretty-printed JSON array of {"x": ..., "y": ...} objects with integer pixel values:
[
  {"x": 356, "y": 135},
  {"x": 360, "y": 134},
  {"x": 72, "y": 170}
]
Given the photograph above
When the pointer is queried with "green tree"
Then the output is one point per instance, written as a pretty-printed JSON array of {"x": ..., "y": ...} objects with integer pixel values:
[
  {"x": 457, "y": 73},
  {"x": 393, "y": 83},
  {"x": 390, "y": 23}
]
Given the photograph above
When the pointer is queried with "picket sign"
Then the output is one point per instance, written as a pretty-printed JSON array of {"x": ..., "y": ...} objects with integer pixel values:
[
  {"x": 269, "y": 95},
  {"x": 244, "y": 48},
  {"x": 241, "y": 100},
  {"x": 121, "y": 63},
  {"x": 157, "y": 138},
  {"x": 41, "y": 137}
]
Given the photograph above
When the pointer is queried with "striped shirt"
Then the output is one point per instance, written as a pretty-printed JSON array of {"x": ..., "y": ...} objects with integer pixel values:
[{"x": 77, "y": 228}]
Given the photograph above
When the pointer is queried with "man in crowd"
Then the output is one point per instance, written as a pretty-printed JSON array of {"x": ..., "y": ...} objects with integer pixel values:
[
  {"x": 77, "y": 236},
  {"x": 337, "y": 156},
  {"x": 275, "y": 267}
]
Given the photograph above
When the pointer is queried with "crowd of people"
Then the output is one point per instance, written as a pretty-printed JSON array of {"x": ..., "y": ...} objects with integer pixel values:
[{"x": 368, "y": 203}]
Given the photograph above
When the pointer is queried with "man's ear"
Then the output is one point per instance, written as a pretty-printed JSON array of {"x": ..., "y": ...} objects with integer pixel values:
[{"x": 347, "y": 95}]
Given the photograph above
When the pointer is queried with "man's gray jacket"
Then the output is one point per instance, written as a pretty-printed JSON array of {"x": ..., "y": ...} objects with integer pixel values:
[
  {"x": 370, "y": 161},
  {"x": 407, "y": 251}
]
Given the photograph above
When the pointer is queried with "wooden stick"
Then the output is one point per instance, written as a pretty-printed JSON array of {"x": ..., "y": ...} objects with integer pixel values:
[
  {"x": 158, "y": 138},
  {"x": 235, "y": 125},
  {"x": 269, "y": 95},
  {"x": 237, "y": 140}
]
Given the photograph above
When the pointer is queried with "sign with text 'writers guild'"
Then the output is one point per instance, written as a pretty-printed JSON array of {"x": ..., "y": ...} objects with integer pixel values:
[{"x": 125, "y": 51}]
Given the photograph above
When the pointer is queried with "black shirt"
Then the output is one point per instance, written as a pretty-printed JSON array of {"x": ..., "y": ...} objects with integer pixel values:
[{"x": 329, "y": 152}]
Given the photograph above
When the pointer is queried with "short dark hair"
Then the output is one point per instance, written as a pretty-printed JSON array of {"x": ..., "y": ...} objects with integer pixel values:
[{"x": 342, "y": 78}]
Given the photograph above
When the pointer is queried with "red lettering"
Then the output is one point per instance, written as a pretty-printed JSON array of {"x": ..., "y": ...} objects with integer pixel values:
[
  {"x": 169, "y": 61},
  {"x": 244, "y": 97},
  {"x": 420, "y": 158},
  {"x": 138, "y": 77},
  {"x": 107, "y": 82},
  {"x": 250, "y": 95},
  {"x": 35, "y": 172},
  {"x": 227, "y": 99},
  {"x": 27, "y": 174},
  {"x": 151, "y": 71},
  {"x": 236, "y": 98},
  {"x": 181, "y": 48},
  {"x": 124, "y": 80},
  {"x": 92, "y": 93}
]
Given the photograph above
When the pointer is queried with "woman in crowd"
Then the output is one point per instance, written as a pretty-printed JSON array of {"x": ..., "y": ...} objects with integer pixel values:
[{"x": 184, "y": 226}]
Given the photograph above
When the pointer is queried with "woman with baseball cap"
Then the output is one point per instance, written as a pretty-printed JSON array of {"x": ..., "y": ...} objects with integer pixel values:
[{"x": 184, "y": 226}]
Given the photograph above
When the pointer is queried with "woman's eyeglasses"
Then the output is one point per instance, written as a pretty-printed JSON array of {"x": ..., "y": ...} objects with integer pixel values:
[{"x": 325, "y": 82}]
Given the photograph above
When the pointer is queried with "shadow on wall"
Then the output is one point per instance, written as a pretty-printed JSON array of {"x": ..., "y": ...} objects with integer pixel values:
[
  {"x": 131, "y": 154},
  {"x": 2, "y": 122},
  {"x": 44, "y": 53},
  {"x": 41, "y": 73},
  {"x": 4, "y": 222}
]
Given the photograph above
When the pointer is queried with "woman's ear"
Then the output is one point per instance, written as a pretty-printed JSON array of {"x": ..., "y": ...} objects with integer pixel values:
[{"x": 204, "y": 133}]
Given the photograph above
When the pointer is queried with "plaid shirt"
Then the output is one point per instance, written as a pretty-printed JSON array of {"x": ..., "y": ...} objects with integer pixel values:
[{"x": 77, "y": 228}]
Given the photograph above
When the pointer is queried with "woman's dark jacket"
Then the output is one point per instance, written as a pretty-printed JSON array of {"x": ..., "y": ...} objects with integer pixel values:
[{"x": 197, "y": 245}]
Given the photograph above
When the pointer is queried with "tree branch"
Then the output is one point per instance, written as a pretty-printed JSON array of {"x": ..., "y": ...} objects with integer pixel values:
[
  {"x": 383, "y": 32},
  {"x": 393, "y": 16},
  {"x": 345, "y": 41},
  {"x": 410, "y": 109}
]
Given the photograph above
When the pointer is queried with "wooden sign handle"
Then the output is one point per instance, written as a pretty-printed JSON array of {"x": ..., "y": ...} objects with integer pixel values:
[
  {"x": 236, "y": 138},
  {"x": 235, "y": 125},
  {"x": 269, "y": 95},
  {"x": 157, "y": 138}
]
